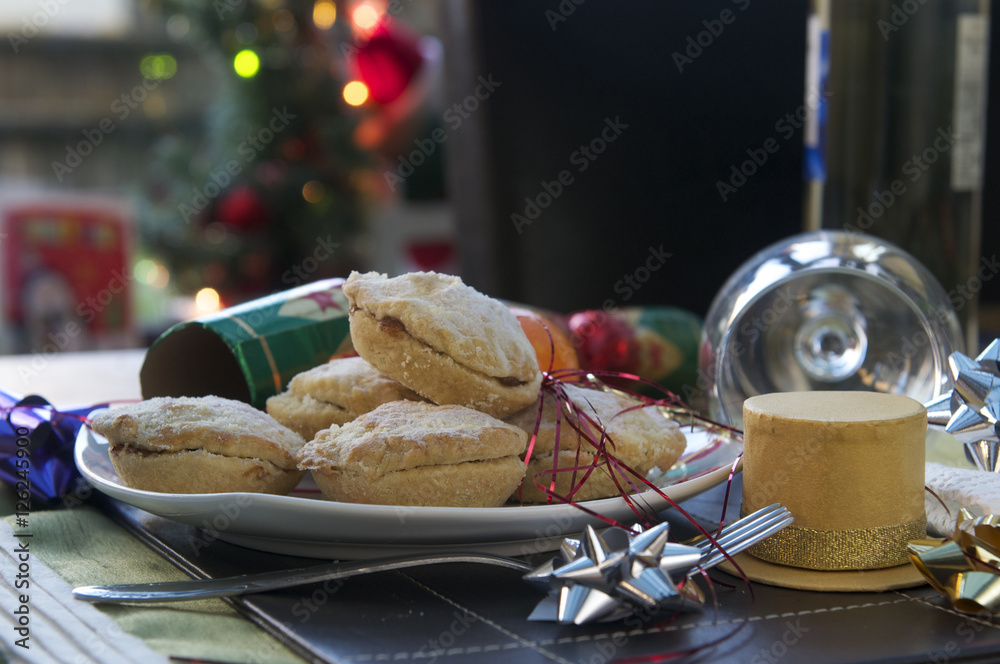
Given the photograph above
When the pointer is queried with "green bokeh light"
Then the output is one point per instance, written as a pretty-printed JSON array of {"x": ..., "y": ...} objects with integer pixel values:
[
  {"x": 158, "y": 66},
  {"x": 246, "y": 63}
]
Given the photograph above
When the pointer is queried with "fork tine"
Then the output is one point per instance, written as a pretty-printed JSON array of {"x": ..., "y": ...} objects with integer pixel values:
[
  {"x": 744, "y": 543},
  {"x": 739, "y": 525},
  {"x": 747, "y": 528}
]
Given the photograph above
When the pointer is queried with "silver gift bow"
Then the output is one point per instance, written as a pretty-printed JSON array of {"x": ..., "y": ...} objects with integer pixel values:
[
  {"x": 611, "y": 575},
  {"x": 971, "y": 410}
]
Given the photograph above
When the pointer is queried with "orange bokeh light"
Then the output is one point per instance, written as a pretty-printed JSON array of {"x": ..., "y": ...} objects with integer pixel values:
[
  {"x": 365, "y": 16},
  {"x": 355, "y": 93}
]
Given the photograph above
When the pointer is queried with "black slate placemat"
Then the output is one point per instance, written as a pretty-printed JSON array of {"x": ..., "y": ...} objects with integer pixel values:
[{"x": 463, "y": 613}]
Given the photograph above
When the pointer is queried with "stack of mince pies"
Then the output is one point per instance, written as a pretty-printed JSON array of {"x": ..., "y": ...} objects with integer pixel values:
[{"x": 437, "y": 410}]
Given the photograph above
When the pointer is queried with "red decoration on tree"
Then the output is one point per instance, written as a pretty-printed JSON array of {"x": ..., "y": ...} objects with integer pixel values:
[
  {"x": 431, "y": 255},
  {"x": 242, "y": 208},
  {"x": 388, "y": 62}
]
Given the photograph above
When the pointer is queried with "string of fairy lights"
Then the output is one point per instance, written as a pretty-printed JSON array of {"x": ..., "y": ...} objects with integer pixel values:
[
  {"x": 259, "y": 38},
  {"x": 365, "y": 16}
]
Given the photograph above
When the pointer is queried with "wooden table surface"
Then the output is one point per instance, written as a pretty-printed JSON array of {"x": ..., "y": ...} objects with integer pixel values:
[{"x": 74, "y": 379}]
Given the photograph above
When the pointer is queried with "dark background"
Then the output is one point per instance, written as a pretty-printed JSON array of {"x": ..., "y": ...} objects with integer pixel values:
[{"x": 656, "y": 184}]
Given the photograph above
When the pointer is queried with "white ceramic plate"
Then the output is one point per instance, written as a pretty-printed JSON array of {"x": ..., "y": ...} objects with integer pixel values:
[{"x": 305, "y": 524}]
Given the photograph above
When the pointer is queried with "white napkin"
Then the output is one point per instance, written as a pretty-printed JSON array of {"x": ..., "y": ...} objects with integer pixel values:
[
  {"x": 60, "y": 629},
  {"x": 976, "y": 490}
]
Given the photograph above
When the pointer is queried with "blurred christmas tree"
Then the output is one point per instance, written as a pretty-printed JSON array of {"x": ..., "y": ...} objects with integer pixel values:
[{"x": 265, "y": 190}]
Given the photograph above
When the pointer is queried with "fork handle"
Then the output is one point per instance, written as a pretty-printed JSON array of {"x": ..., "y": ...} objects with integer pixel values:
[{"x": 173, "y": 591}]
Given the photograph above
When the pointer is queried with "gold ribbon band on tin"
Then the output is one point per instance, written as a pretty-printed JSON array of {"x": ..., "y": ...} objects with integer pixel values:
[{"x": 856, "y": 549}]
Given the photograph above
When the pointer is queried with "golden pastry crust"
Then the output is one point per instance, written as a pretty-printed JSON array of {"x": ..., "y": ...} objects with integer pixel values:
[
  {"x": 408, "y": 434},
  {"x": 352, "y": 384},
  {"x": 198, "y": 471},
  {"x": 304, "y": 415},
  {"x": 642, "y": 439},
  {"x": 416, "y": 453},
  {"x": 445, "y": 340},
  {"x": 598, "y": 485},
  {"x": 467, "y": 484},
  {"x": 220, "y": 426},
  {"x": 335, "y": 392}
]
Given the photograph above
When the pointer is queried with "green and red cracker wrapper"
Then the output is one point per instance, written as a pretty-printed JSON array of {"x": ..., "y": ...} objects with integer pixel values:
[
  {"x": 249, "y": 352},
  {"x": 658, "y": 343}
]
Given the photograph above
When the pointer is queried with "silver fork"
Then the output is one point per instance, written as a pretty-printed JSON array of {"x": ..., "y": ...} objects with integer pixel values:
[
  {"x": 742, "y": 534},
  {"x": 734, "y": 538}
]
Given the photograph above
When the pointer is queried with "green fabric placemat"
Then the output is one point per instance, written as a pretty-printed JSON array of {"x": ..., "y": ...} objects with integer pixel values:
[{"x": 86, "y": 548}]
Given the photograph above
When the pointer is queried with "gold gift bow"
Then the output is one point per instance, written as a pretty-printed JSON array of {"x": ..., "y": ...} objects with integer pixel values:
[{"x": 965, "y": 568}]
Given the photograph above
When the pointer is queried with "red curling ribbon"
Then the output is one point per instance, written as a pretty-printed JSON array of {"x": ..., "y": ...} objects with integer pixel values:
[{"x": 628, "y": 482}]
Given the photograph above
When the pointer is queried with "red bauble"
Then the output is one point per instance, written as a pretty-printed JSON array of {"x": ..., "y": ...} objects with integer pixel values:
[
  {"x": 242, "y": 208},
  {"x": 606, "y": 341},
  {"x": 388, "y": 62},
  {"x": 432, "y": 255}
]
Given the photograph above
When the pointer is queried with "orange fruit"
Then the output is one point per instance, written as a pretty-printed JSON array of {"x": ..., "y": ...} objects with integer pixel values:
[{"x": 545, "y": 336}]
